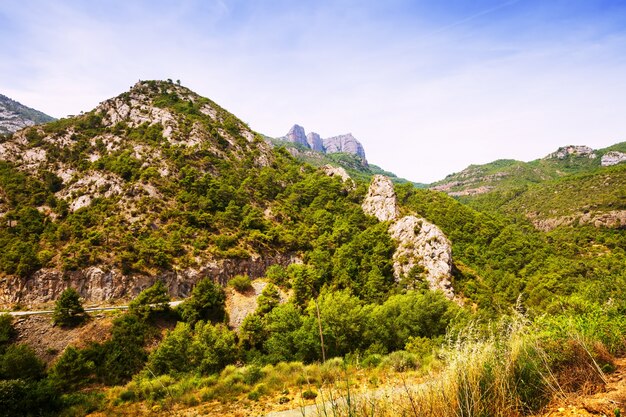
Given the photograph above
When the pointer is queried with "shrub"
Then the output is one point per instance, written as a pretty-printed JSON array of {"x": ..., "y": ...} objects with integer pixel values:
[
  {"x": 20, "y": 362},
  {"x": 71, "y": 371},
  {"x": 68, "y": 310},
  {"x": 241, "y": 283},
  {"x": 7, "y": 331},
  {"x": 309, "y": 394},
  {"x": 401, "y": 361}
]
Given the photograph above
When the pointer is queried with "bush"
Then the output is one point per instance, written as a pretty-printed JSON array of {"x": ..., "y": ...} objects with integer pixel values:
[
  {"x": 401, "y": 361},
  {"x": 72, "y": 371},
  {"x": 241, "y": 283},
  {"x": 20, "y": 362},
  {"x": 7, "y": 331},
  {"x": 68, "y": 310}
]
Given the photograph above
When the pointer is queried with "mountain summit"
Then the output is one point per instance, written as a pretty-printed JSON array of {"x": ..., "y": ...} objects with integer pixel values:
[
  {"x": 341, "y": 143},
  {"x": 15, "y": 116}
]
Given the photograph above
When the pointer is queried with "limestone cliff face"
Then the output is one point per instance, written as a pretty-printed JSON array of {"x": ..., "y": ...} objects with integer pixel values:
[
  {"x": 380, "y": 201},
  {"x": 100, "y": 283},
  {"x": 296, "y": 135},
  {"x": 420, "y": 243},
  {"x": 344, "y": 143},
  {"x": 315, "y": 142}
]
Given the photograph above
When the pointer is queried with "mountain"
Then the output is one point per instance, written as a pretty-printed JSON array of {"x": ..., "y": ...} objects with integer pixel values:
[
  {"x": 287, "y": 268},
  {"x": 575, "y": 185},
  {"x": 15, "y": 116},
  {"x": 336, "y": 144}
]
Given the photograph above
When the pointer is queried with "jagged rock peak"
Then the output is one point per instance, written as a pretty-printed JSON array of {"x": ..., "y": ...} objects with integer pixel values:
[
  {"x": 344, "y": 143},
  {"x": 315, "y": 142},
  {"x": 15, "y": 116},
  {"x": 572, "y": 150},
  {"x": 423, "y": 245},
  {"x": 612, "y": 158},
  {"x": 380, "y": 201},
  {"x": 297, "y": 135}
]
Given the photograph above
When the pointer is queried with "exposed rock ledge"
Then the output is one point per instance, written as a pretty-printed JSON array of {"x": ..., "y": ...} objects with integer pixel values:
[
  {"x": 98, "y": 283},
  {"x": 420, "y": 243},
  {"x": 615, "y": 219}
]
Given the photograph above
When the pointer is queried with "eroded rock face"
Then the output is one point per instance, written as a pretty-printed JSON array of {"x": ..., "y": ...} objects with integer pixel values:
[
  {"x": 315, "y": 142},
  {"x": 612, "y": 158},
  {"x": 296, "y": 135},
  {"x": 380, "y": 201},
  {"x": 99, "y": 283},
  {"x": 344, "y": 143},
  {"x": 573, "y": 150},
  {"x": 421, "y": 243},
  {"x": 332, "y": 171}
]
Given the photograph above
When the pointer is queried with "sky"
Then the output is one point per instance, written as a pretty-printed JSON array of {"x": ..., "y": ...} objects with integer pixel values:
[{"x": 428, "y": 87}]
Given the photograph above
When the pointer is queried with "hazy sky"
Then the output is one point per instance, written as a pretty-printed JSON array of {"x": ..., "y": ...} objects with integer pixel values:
[{"x": 428, "y": 87}]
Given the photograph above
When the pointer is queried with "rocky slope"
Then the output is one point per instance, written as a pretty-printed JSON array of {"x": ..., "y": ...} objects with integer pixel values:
[
  {"x": 15, "y": 116},
  {"x": 341, "y": 143},
  {"x": 422, "y": 249}
]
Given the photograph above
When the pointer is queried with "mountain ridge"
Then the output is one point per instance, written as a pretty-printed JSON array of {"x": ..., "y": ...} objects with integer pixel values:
[{"x": 15, "y": 116}]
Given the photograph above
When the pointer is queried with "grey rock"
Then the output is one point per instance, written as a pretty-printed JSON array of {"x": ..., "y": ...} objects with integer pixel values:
[
  {"x": 344, "y": 143},
  {"x": 297, "y": 135},
  {"x": 612, "y": 158},
  {"x": 315, "y": 142},
  {"x": 380, "y": 201},
  {"x": 572, "y": 150}
]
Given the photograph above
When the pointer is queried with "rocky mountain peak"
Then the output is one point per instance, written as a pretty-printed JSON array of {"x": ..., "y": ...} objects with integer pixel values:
[
  {"x": 315, "y": 142},
  {"x": 297, "y": 135},
  {"x": 15, "y": 116},
  {"x": 344, "y": 143},
  {"x": 612, "y": 158}
]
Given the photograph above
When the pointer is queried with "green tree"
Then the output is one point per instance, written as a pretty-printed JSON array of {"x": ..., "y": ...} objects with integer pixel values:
[
  {"x": 71, "y": 371},
  {"x": 269, "y": 298},
  {"x": 207, "y": 302},
  {"x": 151, "y": 302},
  {"x": 68, "y": 310},
  {"x": 20, "y": 362}
]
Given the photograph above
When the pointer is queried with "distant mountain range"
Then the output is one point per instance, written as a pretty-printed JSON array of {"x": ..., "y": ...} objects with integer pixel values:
[{"x": 15, "y": 116}]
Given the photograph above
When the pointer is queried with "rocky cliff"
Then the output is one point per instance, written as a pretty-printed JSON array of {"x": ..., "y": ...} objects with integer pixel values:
[
  {"x": 342, "y": 143},
  {"x": 423, "y": 249},
  {"x": 15, "y": 116}
]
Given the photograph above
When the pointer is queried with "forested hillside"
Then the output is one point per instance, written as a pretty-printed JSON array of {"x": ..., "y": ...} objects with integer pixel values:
[{"x": 160, "y": 193}]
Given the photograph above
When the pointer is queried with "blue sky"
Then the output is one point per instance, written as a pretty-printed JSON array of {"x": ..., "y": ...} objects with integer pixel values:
[{"x": 428, "y": 87}]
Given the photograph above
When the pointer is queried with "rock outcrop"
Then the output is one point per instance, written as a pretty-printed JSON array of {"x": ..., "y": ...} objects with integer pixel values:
[
  {"x": 15, "y": 116},
  {"x": 423, "y": 244},
  {"x": 101, "y": 283},
  {"x": 315, "y": 142},
  {"x": 332, "y": 171},
  {"x": 343, "y": 143},
  {"x": 572, "y": 150},
  {"x": 420, "y": 243},
  {"x": 297, "y": 135},
  {"x": 380, "y": 201},
  {"x": 612, "y": 158}
]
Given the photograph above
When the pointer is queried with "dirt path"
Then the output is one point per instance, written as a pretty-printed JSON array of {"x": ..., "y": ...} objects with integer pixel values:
[{"x": 611, "y": 402}]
